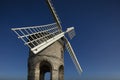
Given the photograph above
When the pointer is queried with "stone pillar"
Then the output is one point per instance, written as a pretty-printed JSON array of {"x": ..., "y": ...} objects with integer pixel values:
[
  {"x": 54, "y": 74},
  {"x": 36, "y": 74}
]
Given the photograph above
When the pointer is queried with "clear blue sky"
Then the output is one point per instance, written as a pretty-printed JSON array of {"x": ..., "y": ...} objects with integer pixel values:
[{"x": 97, "y": 41}]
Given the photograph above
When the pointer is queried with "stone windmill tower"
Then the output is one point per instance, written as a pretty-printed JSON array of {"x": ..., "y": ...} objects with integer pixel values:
[
  {"x": 48, "y": 60},
  {"x": 47, "y": 44}
]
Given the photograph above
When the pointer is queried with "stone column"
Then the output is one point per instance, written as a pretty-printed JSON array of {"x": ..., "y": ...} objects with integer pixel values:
[
  {"x": 54, "y": 74},
  {"x": 37, "y": 72}
]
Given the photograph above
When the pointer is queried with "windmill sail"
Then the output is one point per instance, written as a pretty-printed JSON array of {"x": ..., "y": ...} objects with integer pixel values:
[
  {"x": 71, "y": 34},
  {"x": 56, "y": 18},
  {"x": 39, "y": 37},
  {"x": 73, "y": 56}
]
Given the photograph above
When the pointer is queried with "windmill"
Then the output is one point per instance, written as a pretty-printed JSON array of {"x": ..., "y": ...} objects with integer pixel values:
[{"x": 39, "y": 38}]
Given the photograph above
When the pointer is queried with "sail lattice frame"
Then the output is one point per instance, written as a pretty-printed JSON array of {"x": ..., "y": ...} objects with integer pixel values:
[{"x": 36, "y": 35}]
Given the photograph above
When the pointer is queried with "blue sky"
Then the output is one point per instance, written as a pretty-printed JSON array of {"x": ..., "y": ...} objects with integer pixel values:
[{"x": 96, "y": 44}]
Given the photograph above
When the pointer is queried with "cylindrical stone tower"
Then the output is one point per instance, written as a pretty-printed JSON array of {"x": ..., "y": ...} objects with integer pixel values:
[{"x": 51, "y": 59}]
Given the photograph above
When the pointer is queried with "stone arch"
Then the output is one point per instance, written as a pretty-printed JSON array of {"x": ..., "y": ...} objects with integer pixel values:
[
  {"x": 45, "y": 66},
  {"x": 61, "y": 72},
  {"x": 46, "y": 60}
]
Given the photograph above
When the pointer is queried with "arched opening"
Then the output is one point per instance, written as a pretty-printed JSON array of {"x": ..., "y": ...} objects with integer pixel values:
[
  {"x": 61, "y": 72},
  {"x": 45, "y": 71}
]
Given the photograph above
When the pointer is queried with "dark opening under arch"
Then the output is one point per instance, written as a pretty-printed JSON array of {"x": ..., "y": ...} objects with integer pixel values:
[
  {"x": 45, "y": 67},
  {"x": 61, "y": 72}
]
